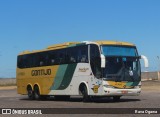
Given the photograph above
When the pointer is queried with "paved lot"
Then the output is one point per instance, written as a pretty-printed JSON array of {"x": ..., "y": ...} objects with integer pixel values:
[{"x": 149, "y": 98}]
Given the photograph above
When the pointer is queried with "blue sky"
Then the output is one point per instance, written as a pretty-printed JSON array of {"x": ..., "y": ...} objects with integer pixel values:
[{"x": 35, "y": 24}]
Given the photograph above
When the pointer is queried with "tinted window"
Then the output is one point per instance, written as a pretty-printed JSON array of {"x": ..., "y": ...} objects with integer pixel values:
[
  {"x": 83, "y": 54},
  {"x": 72, "y": 55},
  {"x": 53, "y": 60},
  {"x": 95, "y": 60},
  {"x": 60, "y": 58},
  {"x": 54, "y": 57}
]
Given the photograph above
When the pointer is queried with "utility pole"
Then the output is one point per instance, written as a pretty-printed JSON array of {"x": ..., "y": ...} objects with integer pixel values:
[{"x": 158, "y": 67}]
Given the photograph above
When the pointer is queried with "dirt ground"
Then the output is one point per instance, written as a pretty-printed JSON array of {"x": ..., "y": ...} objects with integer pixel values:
[
  {"x": 151, "y": 85},
  {"x": 7, "y": 87}
]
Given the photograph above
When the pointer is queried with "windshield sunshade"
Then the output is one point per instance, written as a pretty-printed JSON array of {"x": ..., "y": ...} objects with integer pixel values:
[{"x": 119, "y": 51}]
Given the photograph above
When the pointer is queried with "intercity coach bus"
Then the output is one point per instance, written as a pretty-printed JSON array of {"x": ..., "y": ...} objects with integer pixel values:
[{"x": 89, "y": 69}]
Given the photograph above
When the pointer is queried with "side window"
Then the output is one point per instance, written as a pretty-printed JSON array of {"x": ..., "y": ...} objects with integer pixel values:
[
  {"x": 77, "y": 54},
  {"x": 34, "y": 60},
  {"x": 20, "y": 63},
  {"x": 24, "y": 61},
  {"x": 45, "y": 58},
  {"x": 41, "y": 59},
  {"x": 52, "y": 58},
  {"x": 31, "y": 60},
  {"x": 83, "y": 54},
  {"x": 60, "y": 59},
  {"x": 95, "y": 60},
  {"x": 71, "y": 55}
]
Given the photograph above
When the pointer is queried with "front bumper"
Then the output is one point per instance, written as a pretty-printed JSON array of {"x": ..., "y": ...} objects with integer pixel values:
[{"x": 121, "y": 92}]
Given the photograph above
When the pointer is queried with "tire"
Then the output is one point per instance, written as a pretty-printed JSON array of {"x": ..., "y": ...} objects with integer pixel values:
[
  {"x": 30, "y": 93},
  {"x": 116, "y": 98},
  {"x": 85, "y": 95},
  {"x": 37, "y": 93}
]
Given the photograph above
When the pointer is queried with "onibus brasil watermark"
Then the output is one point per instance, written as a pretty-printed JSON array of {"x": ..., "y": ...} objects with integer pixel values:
[
  {"x": 24, "y": 111},
  {"x": 21, "y": 111}
]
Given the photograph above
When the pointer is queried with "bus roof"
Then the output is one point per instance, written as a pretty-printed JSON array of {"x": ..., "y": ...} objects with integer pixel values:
[
  {"x": 69, "y": 44},
  {"x": 52, "y": 47},
  {"x": 114, "y": 43}
]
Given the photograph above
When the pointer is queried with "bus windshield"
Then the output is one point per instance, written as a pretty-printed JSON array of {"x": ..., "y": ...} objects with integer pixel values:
[{"x": 122, "y": 63}]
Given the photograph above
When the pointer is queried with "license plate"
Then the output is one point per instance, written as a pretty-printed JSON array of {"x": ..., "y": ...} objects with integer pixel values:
[{"x": 124, "y": 92}]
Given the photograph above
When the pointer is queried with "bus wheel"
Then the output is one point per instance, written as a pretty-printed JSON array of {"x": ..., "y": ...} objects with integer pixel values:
[
  {"x": 116, "y": 98},
  {"x": 37, "y": 93},
  {"x": 30, "y": 93},
  {"x": 85, "y": 95}
]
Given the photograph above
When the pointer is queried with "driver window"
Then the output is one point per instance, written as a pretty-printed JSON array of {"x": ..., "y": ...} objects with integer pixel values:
[{"x": 95, "y": 60}]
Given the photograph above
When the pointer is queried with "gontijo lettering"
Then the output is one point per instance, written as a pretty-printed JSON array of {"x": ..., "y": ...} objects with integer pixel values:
[{"x": 41, "y": 72}]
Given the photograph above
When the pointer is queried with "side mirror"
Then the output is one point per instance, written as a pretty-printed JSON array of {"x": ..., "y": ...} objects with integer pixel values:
[
  {"x": 145, "y": 59},
  {"x": 103, "y": 61}
]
